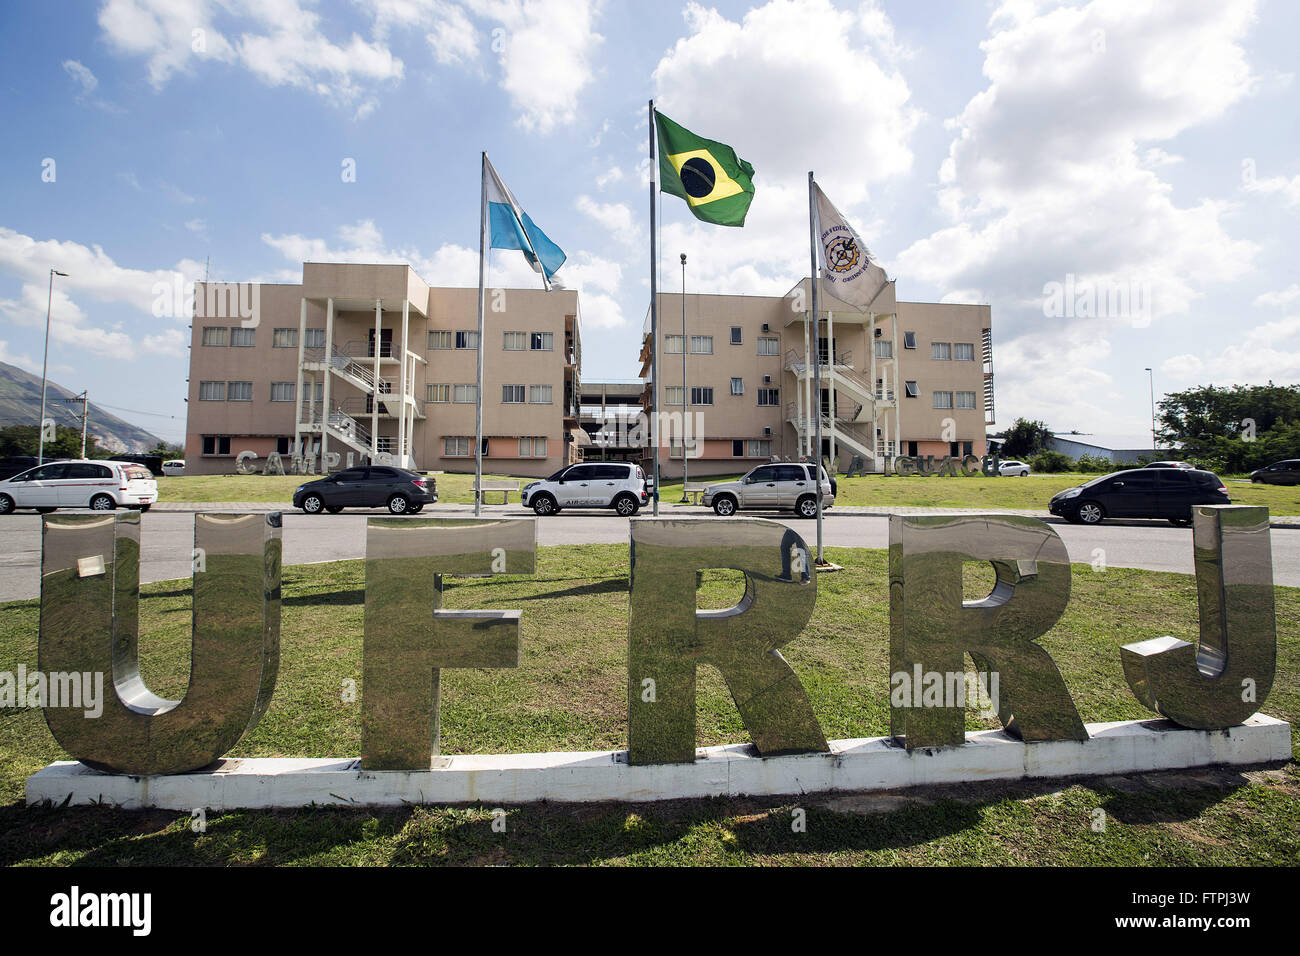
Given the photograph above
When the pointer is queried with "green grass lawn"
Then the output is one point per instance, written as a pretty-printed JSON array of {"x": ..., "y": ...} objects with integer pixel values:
[{"x": 569, "y": 694}]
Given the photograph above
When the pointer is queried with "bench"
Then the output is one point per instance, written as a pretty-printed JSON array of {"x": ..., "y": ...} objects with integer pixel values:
[
  {"x": 693, "y": 492},
  {"x": 502, "y": 487}
]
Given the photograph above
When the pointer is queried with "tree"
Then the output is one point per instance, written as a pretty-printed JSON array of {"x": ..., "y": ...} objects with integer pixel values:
[
  {"x": 1233, "y": 429},
  {"x": 25, "y": 440},
  {"x": 166, "y": 450},
  {"x": 1025, "y": 438}
]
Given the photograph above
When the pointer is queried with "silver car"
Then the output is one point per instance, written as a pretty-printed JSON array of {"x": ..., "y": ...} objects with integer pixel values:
[{"x": 787, "y": 486}]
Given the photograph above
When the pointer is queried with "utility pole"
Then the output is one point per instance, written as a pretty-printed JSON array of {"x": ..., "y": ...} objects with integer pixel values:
[
  {"x": 45, "y": 363},
  {"x": 84, "y": 399}
]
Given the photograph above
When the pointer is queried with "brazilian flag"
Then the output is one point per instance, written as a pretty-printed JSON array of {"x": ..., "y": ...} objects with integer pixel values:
[{"x": 716, "y": 184}]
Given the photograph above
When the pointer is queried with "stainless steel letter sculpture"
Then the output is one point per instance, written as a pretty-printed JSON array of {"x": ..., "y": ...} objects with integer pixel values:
[
  {"x": 930, "y": 626},
  {"x": 409, "y": 639},
  {"x": 668, "y": 638},
  {"x": 90, "y": 599},
  {"x": 1227, "y": 679}
]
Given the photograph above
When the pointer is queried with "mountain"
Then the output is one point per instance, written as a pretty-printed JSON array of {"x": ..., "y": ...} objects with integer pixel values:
[{"x": 20, "y": 404}]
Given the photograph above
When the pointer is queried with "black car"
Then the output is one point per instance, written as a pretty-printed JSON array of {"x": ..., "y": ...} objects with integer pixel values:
[
  {"x": 17, "y": 464},
  {"x": 1279, "y": 473},
  {"x": 368, "y": 486},
  {"x": 1166, "y": 493}
]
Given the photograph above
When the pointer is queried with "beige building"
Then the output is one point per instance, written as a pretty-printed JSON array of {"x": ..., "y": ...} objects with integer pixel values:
[
  {"x": 368, "y": 362},
  {"x": 908, "y": 378}
]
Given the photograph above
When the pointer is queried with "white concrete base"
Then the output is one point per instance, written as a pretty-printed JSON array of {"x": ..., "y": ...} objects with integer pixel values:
[{"x": 865, "y": 764}]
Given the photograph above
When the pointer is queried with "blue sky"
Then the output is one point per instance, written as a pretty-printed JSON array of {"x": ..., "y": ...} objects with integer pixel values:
[{"x": 986, "y": 152}]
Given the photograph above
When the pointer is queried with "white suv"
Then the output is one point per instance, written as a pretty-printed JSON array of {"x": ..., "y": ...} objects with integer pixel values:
[
  {"x": 605, "y": 484},
  {"x": 97, "y": 485},
  {"x": 778, "y": 486}
]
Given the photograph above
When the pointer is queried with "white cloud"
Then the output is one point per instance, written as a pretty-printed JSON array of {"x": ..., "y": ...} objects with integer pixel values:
[
  {"x": 1288, "y": 188},
  {"x": 197, "y": 226},
  {"x": 613, "y": 216},
  {"x": 69, "y": 326},
  {"x": 452, "y": 38},
  {"x": 1285, "y": 297},
  {"x": 1052, "y": 171},
  {"x": 23, "y": 361},
  {"x": 279, "y": 41},
  {"x": 1268, "y": 352},
  {"x": 82, "y": 76},
  {"x": 611, "y": 175}
]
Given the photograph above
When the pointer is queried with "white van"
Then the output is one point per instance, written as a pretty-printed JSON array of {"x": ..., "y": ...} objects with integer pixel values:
[
  {"x": 97, "y": 485},
  {"x": 174, "y": 468}
]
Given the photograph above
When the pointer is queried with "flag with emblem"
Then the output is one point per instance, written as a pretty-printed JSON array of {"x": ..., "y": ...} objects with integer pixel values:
[
  {"x": 849, "y": 272},
  {"x": 510, "y": 227},
  {"x": 714, "y": 181}
]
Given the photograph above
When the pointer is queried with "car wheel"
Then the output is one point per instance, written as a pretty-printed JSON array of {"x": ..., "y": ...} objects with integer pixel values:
[
  {"x": 101, "y": 503},
  {"x": 626, "y": 506},
  {"x": 1180, "y": 522},
  {"x": 44, "y": 511},
  {"x": 313, "y": 504},
  {"x": 6, "y": 505},
  {"x": 334, "y": 509},
  {"x": 398, "y": 505},
  {"x": 724, "y": 506},
  {"x": 144, "y": 508},
  {"x": 1091, "y": 513},
  {"x": 806, "y": 507},
  {"x": 1025, "y": 473},
  {"x": 544, "y": 505},
  {"x": 1073, "y": 518},
  {"x": 415, "y": 509}
]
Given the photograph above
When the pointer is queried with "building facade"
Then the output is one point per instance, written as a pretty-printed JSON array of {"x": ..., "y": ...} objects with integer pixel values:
[
  {"x": 369, "y": 363},
  {"x": 737, "y": 371}
]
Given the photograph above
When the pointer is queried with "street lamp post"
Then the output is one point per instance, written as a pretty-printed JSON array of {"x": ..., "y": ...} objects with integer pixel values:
[
  {"x": 686, "y": 394},
  {"x": 45, "y": 362},
  {"x": 1151, "y": 378}
]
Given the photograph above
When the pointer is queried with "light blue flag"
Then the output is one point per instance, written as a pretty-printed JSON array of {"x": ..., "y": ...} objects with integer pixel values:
[{"x": 510, "y": 228}]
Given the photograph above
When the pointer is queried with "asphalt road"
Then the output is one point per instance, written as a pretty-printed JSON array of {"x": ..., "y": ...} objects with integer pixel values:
[{"x": 168, "y": 537}]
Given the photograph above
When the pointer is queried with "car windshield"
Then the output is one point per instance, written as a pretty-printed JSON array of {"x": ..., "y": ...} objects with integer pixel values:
[{"x": 559, "y": 474}]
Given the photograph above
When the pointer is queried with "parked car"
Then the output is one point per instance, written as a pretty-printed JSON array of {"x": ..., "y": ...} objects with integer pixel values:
[
  {"x": 1018, "y": 468},
  {"x": 1170, "y": 464},
  {"x": 98, "y": 485},
  {"x": 1166, "y": 493},
  {"x": 174, "y": 468},
  {"x": 367, "y": 486},
  {"x": 606, "y": 484},
  {"x": 13, "y": 464},
  {"x": 1279, "y": 473},
  {"x": 777, "y": 486}
]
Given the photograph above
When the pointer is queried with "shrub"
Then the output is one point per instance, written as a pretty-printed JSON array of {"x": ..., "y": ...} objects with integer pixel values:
[{"x": 1051, "y": 462}]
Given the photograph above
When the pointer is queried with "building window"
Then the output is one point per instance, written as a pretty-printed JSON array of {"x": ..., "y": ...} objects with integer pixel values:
[
  {"x": 701, "y": 344},
  {"x": 283, "y": 445},
  {"x": 769, "y": 345},
  {"x": 737, "y": 335},
  {"x": 315, "y": 339},
  {"x": 759, "y": 448},
  {"x": 738, "y": 448},
  {"x": 459, "y": 447},
  {"x": 941, "y": 351},
  {"x": 673, "y": 344},
  {"x": 513, "y": 394},
  {"x": 769, "y": 396},
  {"x": 284, "y": 339},
  {"x": 737, "y": 386},
  {"x": 965, "y": 399},
  {"x": 539, "y": 394},
  {"x": 241, "y": 337},
  {"x": 239, "y": 391},
  {"x": 216, "y": 445},
  {"x": 440, "y": 340},
  {"x": 439, "y": 394},
  {"x": 532, "y": 448},
  {"x": 964, "y": 351},
  {"x": 515, "y": 342},
  {"x": 909, "y": 340},
  {"x": 910, "y": 389},
  {"x": 214, "y": 335},
  {"x": 701, "y": 395},
  {"x": 466, "y": 339},
  {"x": 283, "y": 391},
  {"x": 673, "y": 394},
  {"x": 884, "y": 349},
  {"x": 541, "y": 341},
  {"x": 465, "y": 394},
  {"x": 943, "y": 399},
  {"x": 675, "y": 448},
  {"x": 212, "y": 391}
]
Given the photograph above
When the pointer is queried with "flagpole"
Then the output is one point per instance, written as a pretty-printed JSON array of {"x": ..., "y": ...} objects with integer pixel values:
[
  {"x": 817, "y": 359},
  {"x": 478, "y": 387},
  {"x": 654, "y": 314}
]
